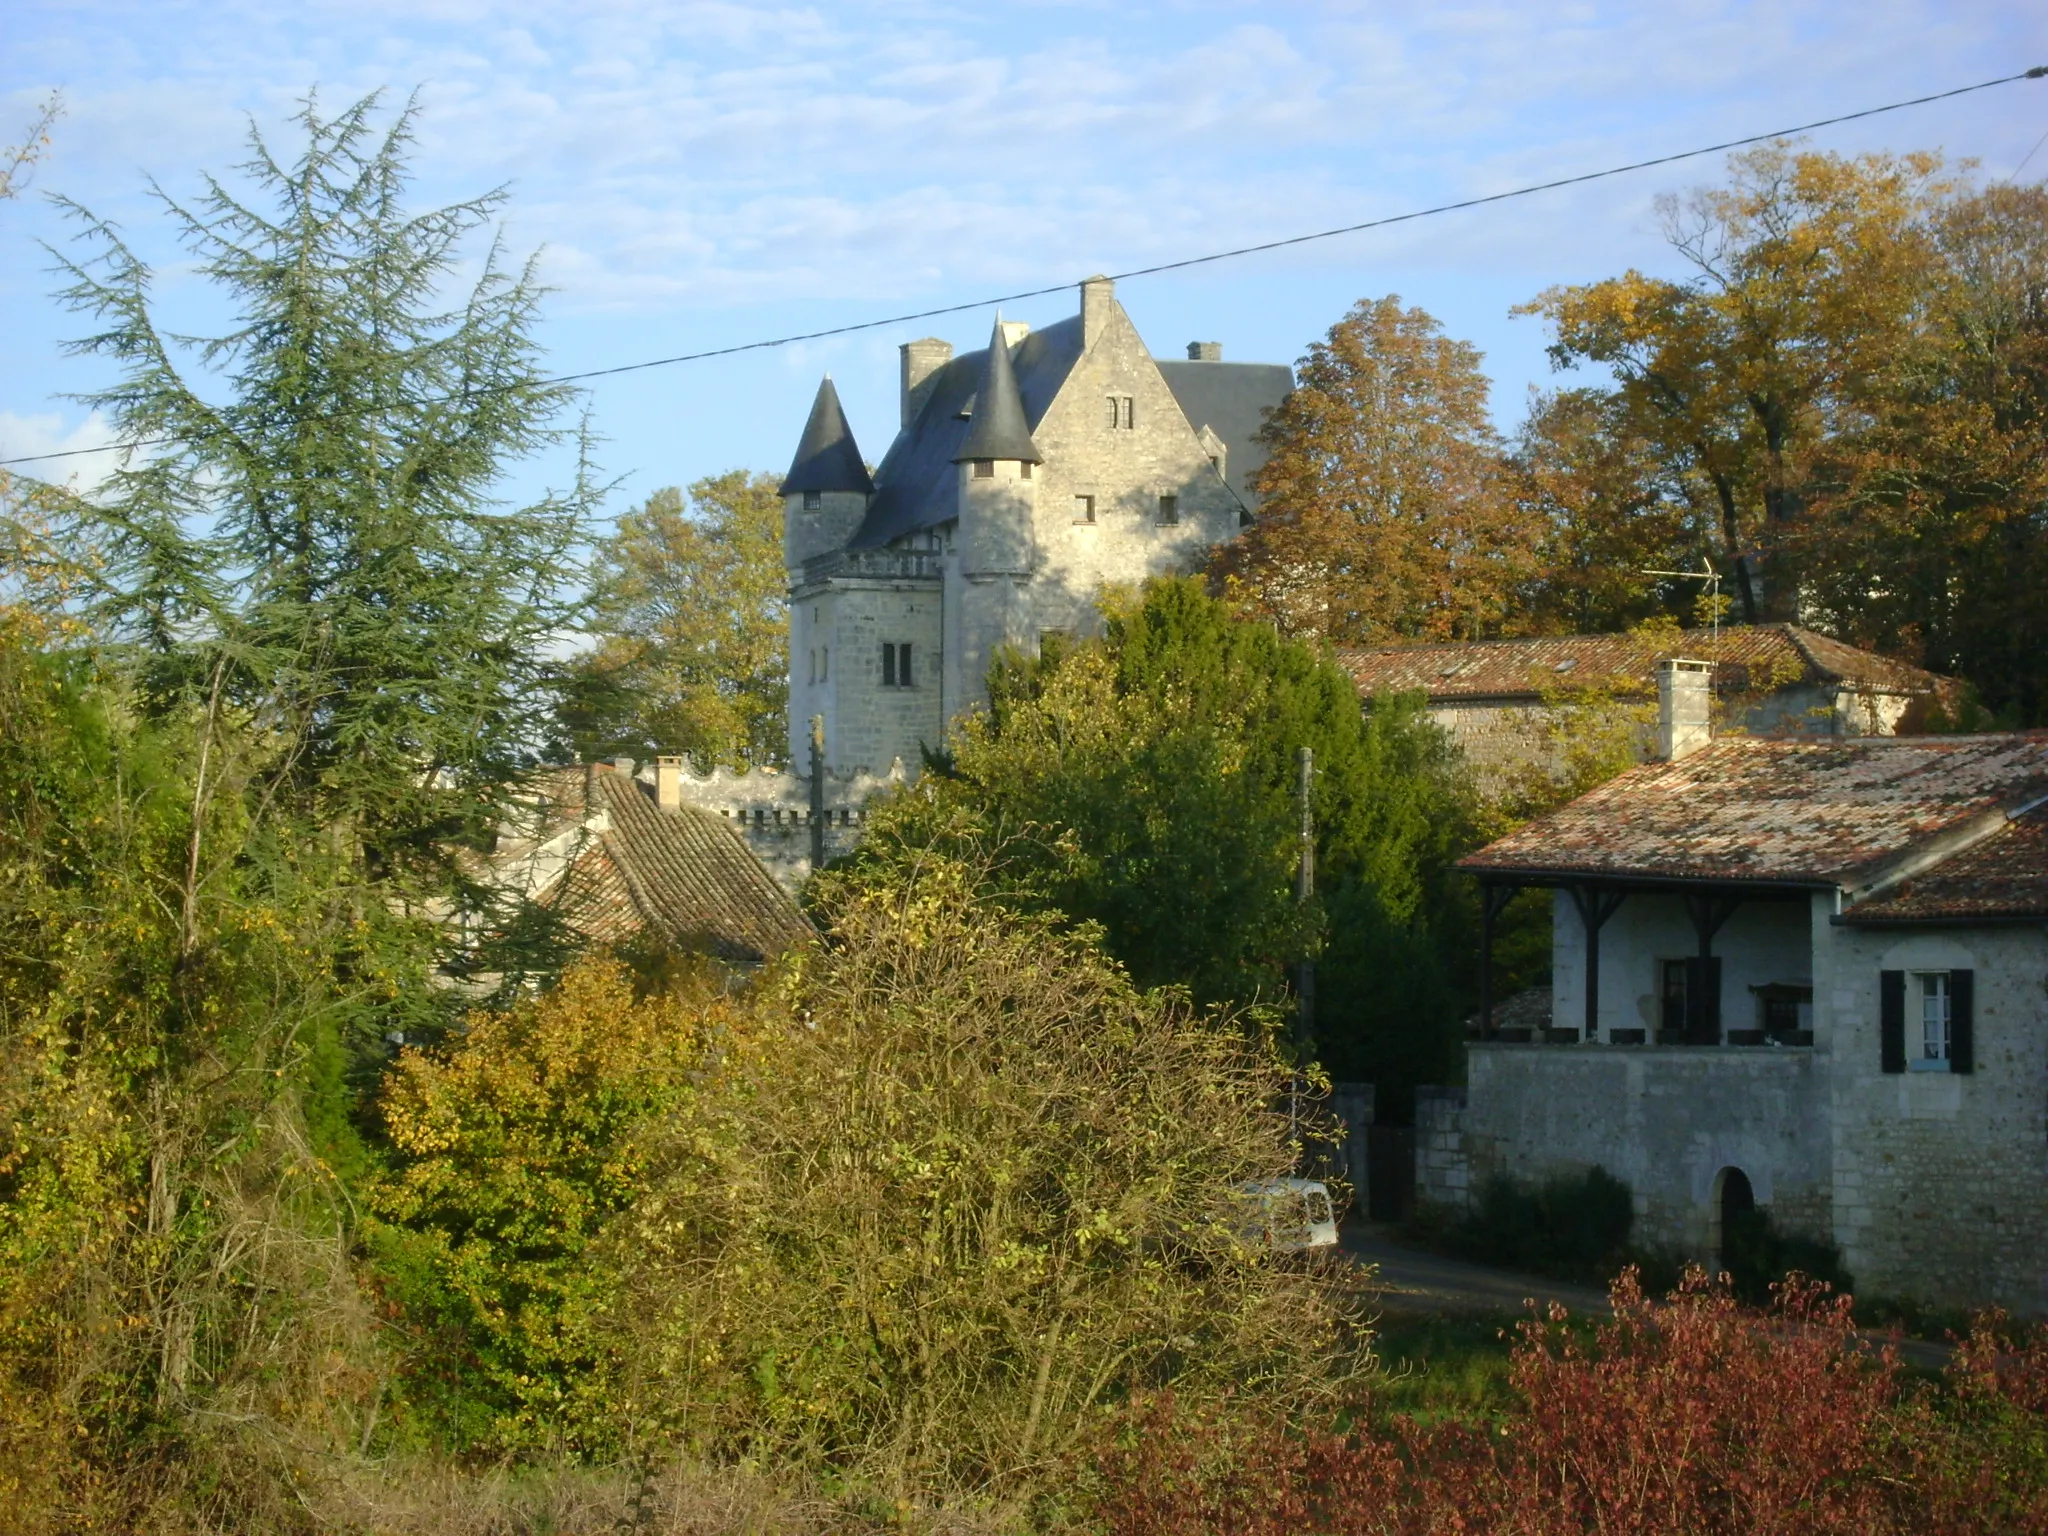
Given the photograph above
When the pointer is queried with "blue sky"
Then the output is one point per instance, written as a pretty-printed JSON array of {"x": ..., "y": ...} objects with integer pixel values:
[{"x": 703, "y": 174}]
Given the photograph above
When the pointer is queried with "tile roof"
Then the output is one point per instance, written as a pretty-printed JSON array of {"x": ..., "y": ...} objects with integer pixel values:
[
  {"x": 1815, "y": 811},
  {"x": 2004, "y": 878},
  {"x": 1751, "y": 656},
  {"x": 683, "y": 873}
]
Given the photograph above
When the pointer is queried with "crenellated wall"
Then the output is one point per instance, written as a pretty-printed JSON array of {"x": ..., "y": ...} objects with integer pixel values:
[{"x": 773, "y": 810}]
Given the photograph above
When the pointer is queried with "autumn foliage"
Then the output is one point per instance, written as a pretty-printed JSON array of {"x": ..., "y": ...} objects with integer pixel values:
[{"x": 1698, "y": 1415}]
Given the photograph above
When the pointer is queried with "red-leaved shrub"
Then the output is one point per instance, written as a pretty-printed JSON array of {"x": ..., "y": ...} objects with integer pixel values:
[{"x": 1695, "y": 1416}]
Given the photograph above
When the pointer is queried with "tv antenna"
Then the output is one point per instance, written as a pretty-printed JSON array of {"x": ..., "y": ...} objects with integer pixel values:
[{"x": 1712, "y": 578}]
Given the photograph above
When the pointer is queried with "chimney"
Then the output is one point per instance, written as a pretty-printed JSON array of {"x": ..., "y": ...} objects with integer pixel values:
[
  {"x": 922, "y": 361},
  {"x": 1205, "y": 351},
  {"x": 1098, "y": 297},
  {"x": 1684, "y": 707},
  {"x": 1014, "y": 331},
  {"x": 623, "y": 767},
  {"x": 668, "y": 783}
]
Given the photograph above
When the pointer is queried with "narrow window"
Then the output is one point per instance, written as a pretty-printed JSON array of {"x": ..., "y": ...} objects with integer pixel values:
[
  {"x": 1931, "y": 993},
  {"x": 1116, "y": 415},
  {"x": 984, "y": 469},
  {"x": 1024, "y": 470},
  {"x": 888, "y": 664},
  {"x": 1084, "y": 509},
  {"x": 813, "y": 500},
  {"x": 903, "y": 665},
  {"x": 895, "y": 664},
  {"x": 1671, "y": 992},
  {"x": 825, "y": 664},
  {"x": 1169, "y": 510},
  {"x": 1130, "y": 414}
]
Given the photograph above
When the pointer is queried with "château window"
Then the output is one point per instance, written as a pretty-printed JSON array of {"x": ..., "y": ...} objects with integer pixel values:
[
  {"x": 896, "y": 664},
  {"x": 1024, "y": 470},
  {"x": 1084, "y": 509},
  {"x": 1169, "y": 510},
  {"x": 1122, "y": 412},
  {"x": 813, "y": 500},
  {"x": 984, "y": 469}
]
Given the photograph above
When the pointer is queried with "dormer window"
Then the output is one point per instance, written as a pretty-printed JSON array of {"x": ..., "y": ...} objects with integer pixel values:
[
  {"x": 984, "y": 469},
  {"x": 813, "y": 500}
]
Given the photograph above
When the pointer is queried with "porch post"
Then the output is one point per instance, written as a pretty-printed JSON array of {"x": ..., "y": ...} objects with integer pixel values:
[{"x": 1595, "y": 907}]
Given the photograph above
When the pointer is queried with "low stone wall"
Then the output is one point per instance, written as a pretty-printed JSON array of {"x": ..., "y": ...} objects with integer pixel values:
[{"x": 1668, "y": 1121}]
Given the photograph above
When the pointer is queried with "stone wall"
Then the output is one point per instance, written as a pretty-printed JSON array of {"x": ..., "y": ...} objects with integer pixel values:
[
  {"x": 1941, "y": 1179},
  {"x": 1667, "y": 1121},
  {"x": 1443, "y": 1171},
  {"x": 772, "y": 811}
]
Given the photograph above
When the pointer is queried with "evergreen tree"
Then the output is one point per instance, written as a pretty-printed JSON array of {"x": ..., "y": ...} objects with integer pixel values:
[{"x": 303, "y": 536}]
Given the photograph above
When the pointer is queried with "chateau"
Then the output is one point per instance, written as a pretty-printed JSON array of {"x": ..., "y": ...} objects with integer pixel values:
[{"x": 1023, "y": 478}]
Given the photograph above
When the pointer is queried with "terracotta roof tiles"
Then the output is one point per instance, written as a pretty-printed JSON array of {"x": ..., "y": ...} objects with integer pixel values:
[{"x": 2004, "y": 878}]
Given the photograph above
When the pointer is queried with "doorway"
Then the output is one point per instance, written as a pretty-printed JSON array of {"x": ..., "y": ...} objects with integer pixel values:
[{"x": 1737, "y": 1206}]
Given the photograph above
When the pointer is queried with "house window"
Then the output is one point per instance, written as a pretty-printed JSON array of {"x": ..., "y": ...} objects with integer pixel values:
[
  {"x": 895, "y": 663},
  {"x": 984, "y": 469},
  {"x": 1024, "y": 469},
  {"x": 824, "y": 663},
  {"x": 1084, "y": 509},
  {"x": 1123, "y": 412},
  {"x": 813, "y": 500},
  {"x": 1169, "y": 510},
  {"x": 1785, "y": 1012},
  {"x": 1929, "y": 993}
]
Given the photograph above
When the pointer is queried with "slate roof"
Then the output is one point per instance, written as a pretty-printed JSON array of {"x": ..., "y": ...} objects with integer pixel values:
[
  {"x": 997, "y": 429},
  {"x": 2004, "y": 878},
  {"x": 1751, "y": 657},
  {"x": 827, "y": 458},
  {"x": 915, "y": 478},
  {"x": 684, "y": 874},
  {"x": 1231, "y": 399},
  {"x": 1800, "y": 811}
]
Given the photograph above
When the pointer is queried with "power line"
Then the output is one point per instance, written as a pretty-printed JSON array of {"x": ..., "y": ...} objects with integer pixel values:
[{"x": 2036, "y": 73}]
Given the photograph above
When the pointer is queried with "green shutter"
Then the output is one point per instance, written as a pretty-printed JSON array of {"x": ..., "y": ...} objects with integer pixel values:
[
  {"x": 1962, "y": 1033},
  {"x": 1891, "y": 1020}
]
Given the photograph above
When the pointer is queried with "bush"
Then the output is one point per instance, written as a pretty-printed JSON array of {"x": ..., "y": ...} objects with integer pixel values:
[
  {"x": 1757, "y": 1255},
  {"x": 1698, "y": 1417},
  {"x": 1573, "y": 1226},
  {"x": 955, "y": 1189}
]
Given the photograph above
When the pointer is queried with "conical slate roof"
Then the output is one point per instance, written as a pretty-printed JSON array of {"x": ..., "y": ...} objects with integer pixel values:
[
  {"x": 999, "y": 430},
  {"x": 826, "y": 458}
]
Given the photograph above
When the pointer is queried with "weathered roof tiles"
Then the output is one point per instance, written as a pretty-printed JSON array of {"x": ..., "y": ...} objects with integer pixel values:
[{"x": 1790, "y": 811}]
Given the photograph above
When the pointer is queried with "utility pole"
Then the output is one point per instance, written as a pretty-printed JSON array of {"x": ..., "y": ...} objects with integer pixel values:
[
  {"x": 817, "y": 793},
  {"x": 1304, "y": 892}
]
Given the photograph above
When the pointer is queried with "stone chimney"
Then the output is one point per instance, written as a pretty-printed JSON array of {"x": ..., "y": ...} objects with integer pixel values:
[
  {"x": 922, "y": 361},
  {"x": 1014, "y": 331},
  {"x": 1205, "y": 351},
  {"x": 1684, "y": 707},
  {"x": 668, "y": 783},
  {"x": 1098, "y": 297}
]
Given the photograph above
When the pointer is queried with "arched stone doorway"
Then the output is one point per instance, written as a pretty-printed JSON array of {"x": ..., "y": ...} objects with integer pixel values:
[{"x": 1736, "y": 1200}]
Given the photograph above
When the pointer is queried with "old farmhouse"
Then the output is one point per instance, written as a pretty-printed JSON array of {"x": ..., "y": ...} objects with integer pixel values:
[{"x": 1804, "y": 974}]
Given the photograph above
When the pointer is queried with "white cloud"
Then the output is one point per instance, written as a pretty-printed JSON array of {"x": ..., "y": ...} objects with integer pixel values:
[{"x": 30, "y": 436}]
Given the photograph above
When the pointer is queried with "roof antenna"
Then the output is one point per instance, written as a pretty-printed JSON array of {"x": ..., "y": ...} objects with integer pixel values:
[{"x": 1712, "y": 578}]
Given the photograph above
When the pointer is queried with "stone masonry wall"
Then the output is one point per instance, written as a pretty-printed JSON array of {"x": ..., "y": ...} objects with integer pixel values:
[
  {"x": 1941, "y": 1179},
  {"x": 1666, "y": 1120},
  {"x": 1443, "y": 1171},
  {"x": 773, "y": 812}
]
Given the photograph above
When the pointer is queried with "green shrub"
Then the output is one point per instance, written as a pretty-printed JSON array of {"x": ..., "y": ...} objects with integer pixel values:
[{"x": 1570, "y": 1225}]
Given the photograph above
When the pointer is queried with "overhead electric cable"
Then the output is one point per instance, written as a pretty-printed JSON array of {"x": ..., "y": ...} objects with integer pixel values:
[{"x": 2036, "y": 73}]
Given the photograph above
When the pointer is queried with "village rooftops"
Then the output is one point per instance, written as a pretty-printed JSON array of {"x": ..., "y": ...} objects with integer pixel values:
[
  {"x": 1858, "y": 815},
  {"x": 1747, "y": 658}
]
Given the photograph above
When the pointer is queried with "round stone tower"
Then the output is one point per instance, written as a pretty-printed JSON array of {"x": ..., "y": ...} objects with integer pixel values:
[{"x": 825, "y": 494}]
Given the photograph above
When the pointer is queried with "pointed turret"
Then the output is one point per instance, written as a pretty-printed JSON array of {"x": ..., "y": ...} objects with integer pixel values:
[
  {"x": 827, "y": 458},
  {"x": 999, "y": 430}
]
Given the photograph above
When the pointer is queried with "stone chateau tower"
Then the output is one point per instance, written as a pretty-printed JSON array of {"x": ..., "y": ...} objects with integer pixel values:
[{"x": 1022, "y": 479}]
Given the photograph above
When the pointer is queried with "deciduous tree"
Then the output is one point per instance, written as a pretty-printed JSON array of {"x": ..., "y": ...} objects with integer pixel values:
[
  {"x": 692, "y": 621},
  {"x": 1384, "y": 510}
]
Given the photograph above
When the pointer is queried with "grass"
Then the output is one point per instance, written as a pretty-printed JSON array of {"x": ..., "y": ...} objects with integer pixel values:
[{"x": 1434, "y": 1367}]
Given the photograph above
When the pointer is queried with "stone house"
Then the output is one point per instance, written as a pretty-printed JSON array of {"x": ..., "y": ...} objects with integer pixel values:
[
  {"x": 1517, "y": 706},
  {"x": 1805, "y": 974},
  {"x": 1023, "y": 479}
]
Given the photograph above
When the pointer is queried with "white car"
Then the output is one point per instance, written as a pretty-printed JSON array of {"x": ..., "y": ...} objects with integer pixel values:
[{"x": 1288, "y": 1215}]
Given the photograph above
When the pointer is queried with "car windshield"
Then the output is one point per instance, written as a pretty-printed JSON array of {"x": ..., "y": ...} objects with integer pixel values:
[{"x": 1318, "y": 1207}]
